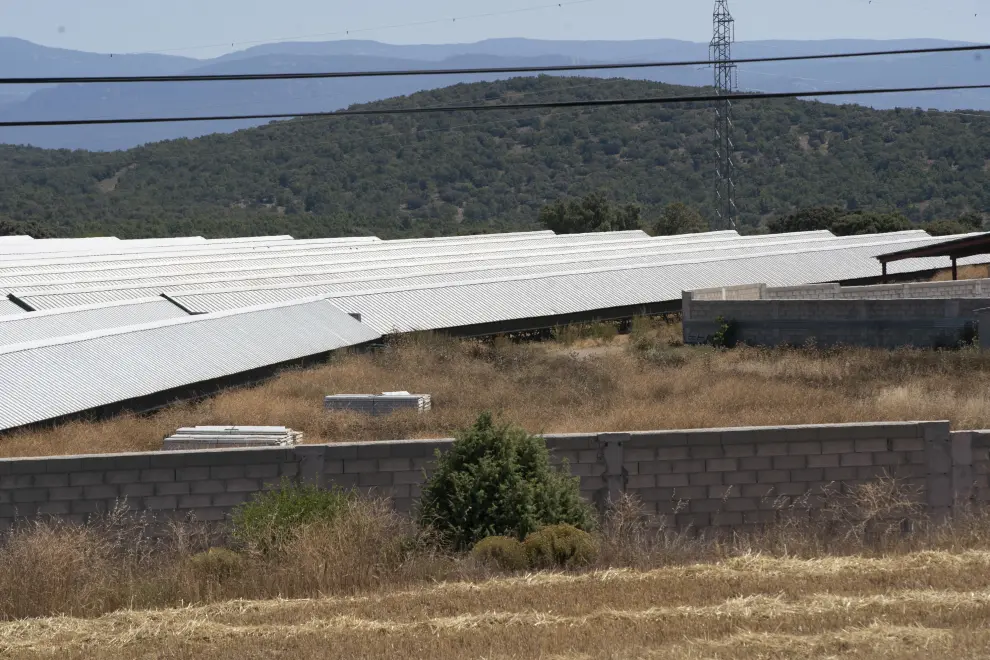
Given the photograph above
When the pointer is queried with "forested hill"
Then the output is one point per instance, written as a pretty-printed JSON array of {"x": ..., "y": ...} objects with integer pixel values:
[{"x": 418, "y": 175}]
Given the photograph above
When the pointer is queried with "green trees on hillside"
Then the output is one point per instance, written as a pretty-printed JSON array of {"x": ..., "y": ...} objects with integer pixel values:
[
  {"x": 420, "y": 175},
  {"x": 844, "y": 223},
  {"x": 679, "y": 218},
  {"x": 592, "y": 213},
  {"x": 9, "y": 228}
]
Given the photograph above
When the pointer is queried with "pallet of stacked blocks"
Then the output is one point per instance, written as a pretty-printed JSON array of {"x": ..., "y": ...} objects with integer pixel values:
[
  {"x": 227, "y": 437},
  {"x": 385, "y": 403}
]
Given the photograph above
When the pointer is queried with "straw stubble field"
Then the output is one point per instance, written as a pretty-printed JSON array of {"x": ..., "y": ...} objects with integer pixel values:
[{"x": 915, "y": 606}]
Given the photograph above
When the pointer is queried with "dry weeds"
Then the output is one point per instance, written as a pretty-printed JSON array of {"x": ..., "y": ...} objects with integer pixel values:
[
  {"x": 359, "y": 588},
  {"x": 975, "y": 272},
  {"x": 750, "y": 607},
  {"x": 643, "y": 382}
]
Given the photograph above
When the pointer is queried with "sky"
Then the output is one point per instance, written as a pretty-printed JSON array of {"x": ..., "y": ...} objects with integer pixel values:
[{"x": 207, "y": 28}]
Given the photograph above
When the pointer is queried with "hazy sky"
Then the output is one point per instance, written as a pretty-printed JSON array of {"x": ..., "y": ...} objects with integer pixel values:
[{"x": 204, "y": 28}]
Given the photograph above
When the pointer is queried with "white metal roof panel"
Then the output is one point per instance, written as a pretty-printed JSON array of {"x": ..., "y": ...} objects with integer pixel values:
[
  {"x": 585, "y": 289},
  {"x": 437, "y": 307},
  {"x": 40, "y": 248},
  {"x": 46, "y": 380},
  {"x": 9, "y": 307},
  {"x": 209, "y": 252},
  {"x": 111, "y": 248},
  {"x": 350, "y": 269},
  {"x": 335, "y": 279},
  {"x": 36, "y": 326},
  {"x": 13, "y": 278},
  {"x": 29, "y": 283}
]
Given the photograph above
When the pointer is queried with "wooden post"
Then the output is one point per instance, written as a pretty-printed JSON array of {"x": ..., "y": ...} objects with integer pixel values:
[{"x": 955, "y": 270}]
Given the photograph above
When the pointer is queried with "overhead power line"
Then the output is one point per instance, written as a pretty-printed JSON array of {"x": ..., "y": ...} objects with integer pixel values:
[
  {"x": 365, "y": 112},
  {"x": 86, "y": 80}
]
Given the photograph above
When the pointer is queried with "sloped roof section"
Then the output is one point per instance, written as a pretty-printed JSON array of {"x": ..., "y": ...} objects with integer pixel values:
[
  {"x": 39, "y": 326},
  {"x": 50, "y": 379},
  {"x": 8, "y": 307}
]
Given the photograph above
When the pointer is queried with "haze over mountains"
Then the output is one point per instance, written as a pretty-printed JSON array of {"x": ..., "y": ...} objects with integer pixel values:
[{"x": 19, "y": 58}]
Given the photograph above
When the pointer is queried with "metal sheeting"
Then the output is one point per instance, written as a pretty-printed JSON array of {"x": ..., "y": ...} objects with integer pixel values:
[
  {"x": 41, "y": 247},
  {"x": 37, "y": 326},
  {"x": 110, "y": 247},
  {"x": 295, "y": 262},
  {"x": 221, "y": 297},
  {"x": 334, "y": 280},
  {"x": 9, "y": 307},
  {"x": 459, "y": 252},
  {"x": 303, "y": 246},
  {"x": 300, "y": 269},
  {"x": 409, "y": 309},
  {"x": 46, "y": 380}
]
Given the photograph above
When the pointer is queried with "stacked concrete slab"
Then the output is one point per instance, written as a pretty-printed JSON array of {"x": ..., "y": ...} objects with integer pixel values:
[
  {"x": 229, "y": 437},
  {"x": 375, "y": 405}
]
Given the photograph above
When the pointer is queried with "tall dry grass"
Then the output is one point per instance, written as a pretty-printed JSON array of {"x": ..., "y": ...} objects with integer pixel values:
[
  {"x": 50, "y": 568},
  {"x": 975, "y": 272},
  {"x": 640, "y": 382},
  {"x": 360, "y": 589}
]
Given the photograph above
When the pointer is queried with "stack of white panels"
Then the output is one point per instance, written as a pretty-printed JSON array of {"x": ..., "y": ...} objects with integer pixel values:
[
  {"x": 226, "y": 437},
  {"x": 378, "y": 404}
]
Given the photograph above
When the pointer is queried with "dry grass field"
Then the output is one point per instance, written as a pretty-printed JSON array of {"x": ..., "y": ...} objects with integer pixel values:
[
  {"x": 923, "y": 605},
  {"x": 587, "y": 380},
  {"x": 798, "y": 589}
]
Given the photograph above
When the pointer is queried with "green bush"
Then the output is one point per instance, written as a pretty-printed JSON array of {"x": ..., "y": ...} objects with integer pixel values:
[
  {"x": 271, "y": 519},
  {"x": 216, "y": 565},
  {"x": 560, "y": 546},
  {"x": 498, "y": 481},
  {"x": 502, "y": 552}
]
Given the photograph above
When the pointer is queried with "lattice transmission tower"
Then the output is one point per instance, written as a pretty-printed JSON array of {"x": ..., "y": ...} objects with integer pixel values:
[{"x": 726, "y": 82}]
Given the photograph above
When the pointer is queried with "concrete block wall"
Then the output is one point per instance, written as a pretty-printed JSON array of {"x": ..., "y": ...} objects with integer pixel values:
[
  {"x": 979, "y": 482},
  {"x": 172, "y": 484},
  {"x": 726, "y": 478},
  {"x": 740, "y": 292},
  {"x": 833, "y": 291},
  {"x": 888, "y": 323}
]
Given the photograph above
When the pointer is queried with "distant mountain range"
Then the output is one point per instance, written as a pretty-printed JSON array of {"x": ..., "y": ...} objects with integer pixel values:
[{"x": 22, "y": 58}]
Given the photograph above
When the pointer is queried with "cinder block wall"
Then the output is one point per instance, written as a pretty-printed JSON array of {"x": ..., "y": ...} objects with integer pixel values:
[
  {"x": 833, "y": 291},
  {"x": 959, "y": 289},
  {"x": 979, "y": 443},
  {"x": 706, "y": 478},
  {"x": 887, "y": 323}
]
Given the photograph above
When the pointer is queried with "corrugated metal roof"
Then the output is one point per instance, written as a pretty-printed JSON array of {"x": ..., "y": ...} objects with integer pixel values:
[
  {"x": 334, "y": 279},
  {"x": 427, "y": 307},
  {"x": 8, "y": 307},
  {"x": 278, "y": 248},
  {"x": 75, "y": 278},
  {"x": 206, "y": 273},
  {"x": 295, "y": 284},
  {"x": 110, "y": 247},
  {"x": 292, "y": 264},
  {"x": 36, "y": 326},
  {"x": 350, "y": 269},
  {"x": 41, "y": 247},
  {"x": 49, "y": 379}
]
